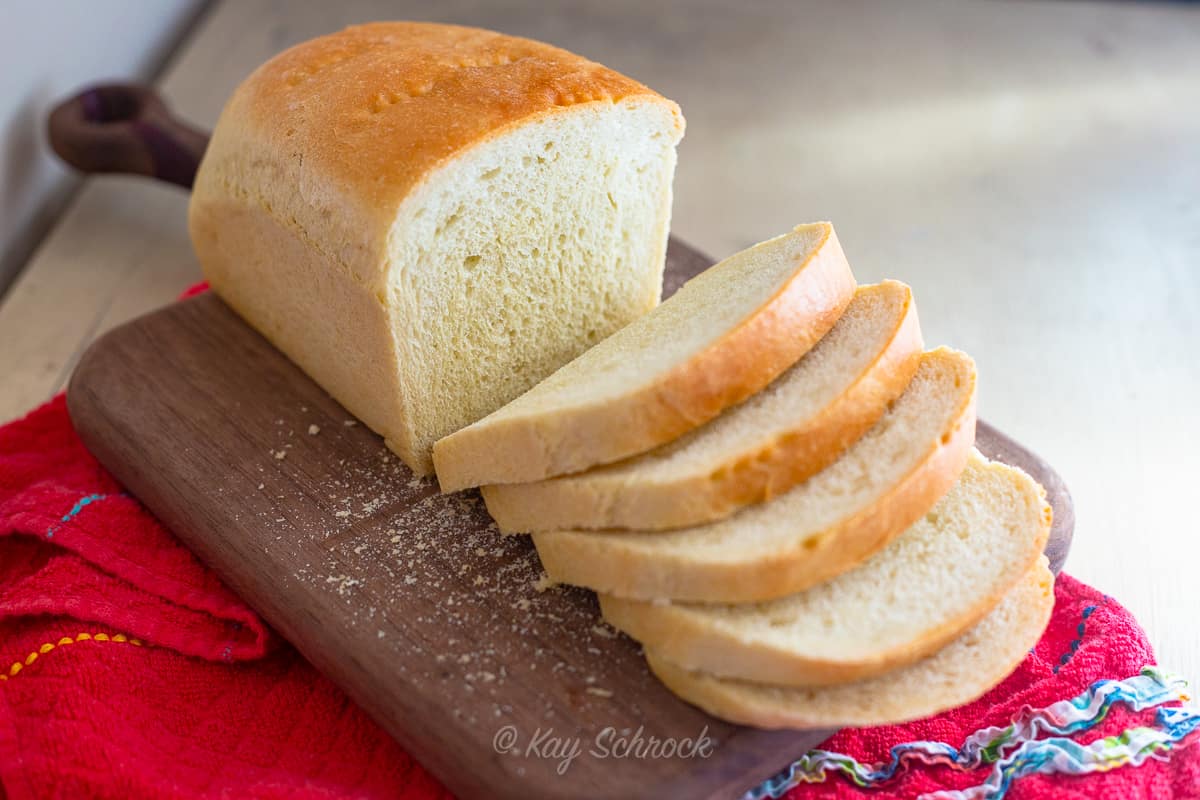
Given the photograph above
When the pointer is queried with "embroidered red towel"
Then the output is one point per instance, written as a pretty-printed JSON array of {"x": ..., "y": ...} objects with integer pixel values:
[{"x": 128, "y": 670}]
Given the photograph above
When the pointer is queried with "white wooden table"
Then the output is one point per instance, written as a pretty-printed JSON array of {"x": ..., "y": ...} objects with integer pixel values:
[{"x": 1032, "y": 169}]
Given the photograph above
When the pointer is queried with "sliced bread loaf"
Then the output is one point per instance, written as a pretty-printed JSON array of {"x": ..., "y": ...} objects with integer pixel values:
[
  {"x": 957, "y": 674},
  {"x": 429, "y": 219},
  {"x": 784, "y": 434},
  {"x": 936, "y": 579},
  {"x": 826, "y": 525},
  {"x": 723, "y": 336}
]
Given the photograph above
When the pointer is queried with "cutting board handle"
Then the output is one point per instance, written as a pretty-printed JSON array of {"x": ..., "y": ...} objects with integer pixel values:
[{"x": 126, "y": 128}]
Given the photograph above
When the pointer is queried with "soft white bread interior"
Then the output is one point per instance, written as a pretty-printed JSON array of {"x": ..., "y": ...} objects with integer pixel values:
[
  {"x": 832, "y": 522},
  {"x": 781, "y": 436},
  {"x": 429, "y": 219},
  {"x": 723, "y": 336},
  {"x": 957, "y": 674},
  {"x": 930, "y": 584}
]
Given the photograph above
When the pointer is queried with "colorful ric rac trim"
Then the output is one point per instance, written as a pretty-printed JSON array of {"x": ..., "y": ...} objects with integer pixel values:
[{"x": 1016, "y": 751}]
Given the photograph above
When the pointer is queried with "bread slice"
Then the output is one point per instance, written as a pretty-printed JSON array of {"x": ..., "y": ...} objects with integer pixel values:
[
  {"x": 723, "y": 336},
  {"x": 779, "y": 437},
  {"x": 830, "y": 523},
  {"x": 429, "y": 219},
  {"x": 934, "y": 581},
  {"x": 958, "y": 673}
]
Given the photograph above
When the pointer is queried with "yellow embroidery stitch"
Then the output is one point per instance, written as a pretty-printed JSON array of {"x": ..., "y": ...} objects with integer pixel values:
[{"x": 17, "y": 666}]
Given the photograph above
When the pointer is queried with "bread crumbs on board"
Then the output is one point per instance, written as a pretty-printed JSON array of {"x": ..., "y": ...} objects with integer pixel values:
[{"x": 430, "y": 574}]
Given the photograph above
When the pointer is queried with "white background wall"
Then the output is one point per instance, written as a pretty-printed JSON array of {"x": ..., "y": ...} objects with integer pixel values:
[{"x": 48, "y": 49}]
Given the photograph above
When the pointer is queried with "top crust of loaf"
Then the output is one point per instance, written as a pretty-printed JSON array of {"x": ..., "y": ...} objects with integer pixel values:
[{"x": 374, "y": 109}]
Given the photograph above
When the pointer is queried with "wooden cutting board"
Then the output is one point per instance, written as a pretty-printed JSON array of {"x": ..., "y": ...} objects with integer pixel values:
[{"x": 409, "y": 600}]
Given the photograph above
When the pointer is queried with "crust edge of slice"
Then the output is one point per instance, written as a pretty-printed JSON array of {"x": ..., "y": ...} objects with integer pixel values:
[
  {"x": 734, "y": 366},
  {"x": 874, "y": 701},
  {"x": 766, "y": 468},
  {"x": 590, "y": 559},
  {"x": 684, "y": 639}
]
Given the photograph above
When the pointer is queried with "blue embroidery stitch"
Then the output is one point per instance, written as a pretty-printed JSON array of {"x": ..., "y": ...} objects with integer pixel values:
[
  {"x": 79, "y": 506},
  {"x": 1078, "y": 640}
]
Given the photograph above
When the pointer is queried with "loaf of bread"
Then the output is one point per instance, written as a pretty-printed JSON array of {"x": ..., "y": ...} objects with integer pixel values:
[
  {"x": 754, "y": 451},
  {"x": 954, "y": 675},
  {"x": 723, "y": 336},
  {"x": 880, "y": 485},
  {"x": 936, "y": 579},
  {"x": 429, "y": 219}
]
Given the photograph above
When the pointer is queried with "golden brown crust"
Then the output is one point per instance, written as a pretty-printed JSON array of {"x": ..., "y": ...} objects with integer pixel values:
[
  {"x": 685, "y": 640},
  {"x": 592, "y": 502},
  {"x": 739, "y": 363},
  {"x": 591, "y": 559},
  {"x": 375, "y": 108},
  {"x": 1032, "y": 602}
]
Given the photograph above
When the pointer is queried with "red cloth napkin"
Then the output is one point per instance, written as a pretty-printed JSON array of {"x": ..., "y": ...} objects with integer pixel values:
[{"x": 129, "y": 671}]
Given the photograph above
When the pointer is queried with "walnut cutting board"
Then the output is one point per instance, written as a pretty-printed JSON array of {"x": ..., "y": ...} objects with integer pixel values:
[{"x": 409, "y": 600}]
